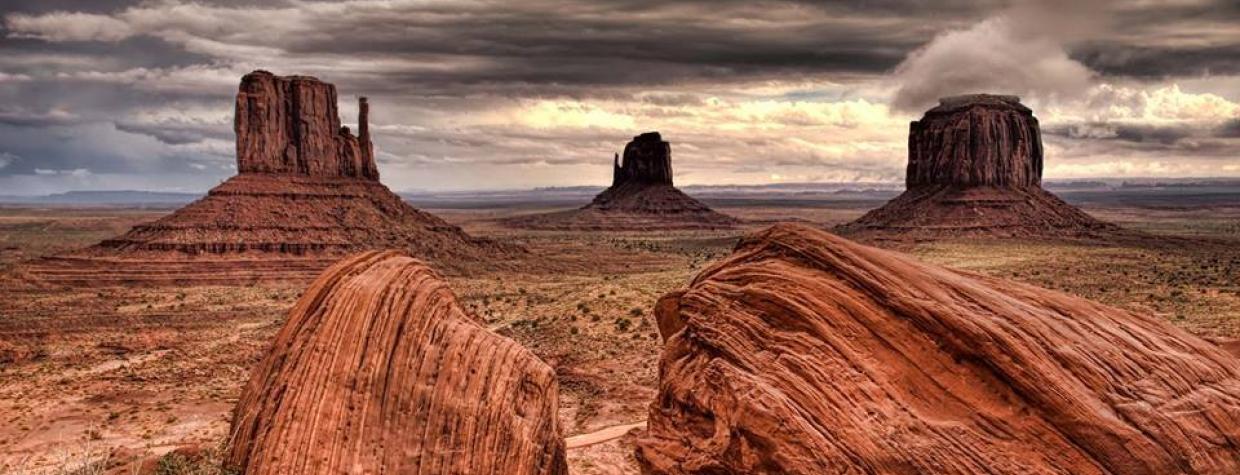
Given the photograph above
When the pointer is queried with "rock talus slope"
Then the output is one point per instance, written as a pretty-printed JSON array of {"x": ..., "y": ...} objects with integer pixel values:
[
  {"x": 975, "y": 168},
  {"x": 806, "y": 353},
  {"x": 379, "y": 370},
  {"x": 641, "y": 197}
]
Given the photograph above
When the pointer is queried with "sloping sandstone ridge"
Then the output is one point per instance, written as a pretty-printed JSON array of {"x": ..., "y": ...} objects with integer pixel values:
[
  {"x": 975, "y": 168},
  {"x": 379, "y": 370},
  {"x": 641, "y": 197},
  {"x": 806, "y": 353},
  {"x": 307, "y": 192}
]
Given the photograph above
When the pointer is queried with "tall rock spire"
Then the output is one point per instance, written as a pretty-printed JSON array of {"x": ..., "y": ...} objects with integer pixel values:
[{"x": 363, "y": 133}]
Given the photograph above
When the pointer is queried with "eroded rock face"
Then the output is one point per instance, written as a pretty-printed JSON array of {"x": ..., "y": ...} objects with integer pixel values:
[
  {"x": 289, "y": 124},
  {"x": 806, "y": 353},
  {"x": 976, "y": 140},
  {"x": 641, "y": 197},
  {"x": 975, "y": 168},
  {"x": 378, "y": 370}
]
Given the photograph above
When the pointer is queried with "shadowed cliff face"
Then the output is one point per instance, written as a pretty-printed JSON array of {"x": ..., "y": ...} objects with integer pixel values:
[
  {"x": 975, "y": 140},
  {"x": 289, "y": 124},
  {"x": 647, "y": 159},
  {"x": 805, "y": 353}
]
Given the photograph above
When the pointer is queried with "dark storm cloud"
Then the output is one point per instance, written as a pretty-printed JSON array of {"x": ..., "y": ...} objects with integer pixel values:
[
  {"x": 1160, "y": 62},
  {"x": 583, "y": 46},
  {"x": 151, "y": 83},
  {"x": 1167, "y": 40},
  {"x": 1230, "y": 129}
]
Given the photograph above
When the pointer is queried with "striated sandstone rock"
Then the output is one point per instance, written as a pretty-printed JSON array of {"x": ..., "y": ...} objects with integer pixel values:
[
  {"x": 379, "y": 370},
  {"x": 641, "y": 197},
  {"x": 805, "y": 353},
  {"x": 975, "y": 168}
]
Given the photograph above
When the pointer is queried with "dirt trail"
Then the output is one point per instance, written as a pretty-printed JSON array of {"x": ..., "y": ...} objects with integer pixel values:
[{"x": 602, "y": 435}]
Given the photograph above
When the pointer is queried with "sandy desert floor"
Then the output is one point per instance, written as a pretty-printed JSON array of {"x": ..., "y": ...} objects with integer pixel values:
[{"x": 112, "y": 376}]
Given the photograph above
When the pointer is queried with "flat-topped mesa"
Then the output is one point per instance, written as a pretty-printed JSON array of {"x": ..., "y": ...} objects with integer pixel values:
[
  {"x": 975, "y": 140},
  {"x": 290, "y": 125},
  {"x": 975, "y": 169},
  {"x": 647, "y": 159}
]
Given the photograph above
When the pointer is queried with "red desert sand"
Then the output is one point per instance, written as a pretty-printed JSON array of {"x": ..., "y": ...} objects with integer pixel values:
[
  {"x": 807, "y": 353},
  {"x": 379, "y": 370}
]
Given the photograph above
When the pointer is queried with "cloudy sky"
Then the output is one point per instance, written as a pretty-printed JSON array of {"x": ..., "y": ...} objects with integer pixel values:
[{"x": 523, "y": 93}]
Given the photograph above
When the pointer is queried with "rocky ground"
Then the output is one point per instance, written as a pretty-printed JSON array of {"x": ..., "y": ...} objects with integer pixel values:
[{"x": 151, "y": 374}]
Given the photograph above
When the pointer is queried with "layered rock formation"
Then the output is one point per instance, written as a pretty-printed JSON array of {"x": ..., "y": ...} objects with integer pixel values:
[
  {"x": 379, "y": 370},
  {"x": 975, "y": 168},
  {"x": 307, "y": 192},
  {"x": 290, "y": 125},
  {"x": 805, "y": 353},
  {"x": 641, "y": 197}
]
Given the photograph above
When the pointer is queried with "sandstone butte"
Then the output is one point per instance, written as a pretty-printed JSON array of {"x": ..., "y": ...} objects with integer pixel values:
[
  {"x": 641, "y": 197},
  {"x": 806, "y": 353},
  {"x": 307, "y": 192},
  {"x": 975, "y": 169},
  {"x": 379, "y": 370}
]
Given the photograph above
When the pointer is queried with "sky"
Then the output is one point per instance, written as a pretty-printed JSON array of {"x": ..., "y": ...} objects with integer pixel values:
[{"x": 511, "y": 94}]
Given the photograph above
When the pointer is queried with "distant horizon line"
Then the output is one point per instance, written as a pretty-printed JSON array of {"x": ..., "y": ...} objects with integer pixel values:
[{"x": 900, "y": 183}]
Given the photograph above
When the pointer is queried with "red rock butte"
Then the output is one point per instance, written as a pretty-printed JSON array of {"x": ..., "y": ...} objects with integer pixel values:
[
  {"x": 378, "y": 369},
  {"x": 307, "y": 192},
  {"x": 805, "y": 353},
  {"x": 975, "y": 168},
  {"x": 641, "y": 197}
]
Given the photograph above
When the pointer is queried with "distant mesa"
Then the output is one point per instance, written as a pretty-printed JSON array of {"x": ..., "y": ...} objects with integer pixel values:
[
  {"x": 307, "y": 192},
  {"x": 378, "y": 369},
  {"x": 641, "y": 197},
  {"x": 975, "y": 169},
  {"x": 805, "y": 353}
]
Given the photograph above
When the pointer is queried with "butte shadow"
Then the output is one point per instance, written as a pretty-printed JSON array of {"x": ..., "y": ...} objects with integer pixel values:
[
  {"x": 975, "y": 170},
  {"x": 641, "y": 197},
  {"x": 307, "y": 192}
]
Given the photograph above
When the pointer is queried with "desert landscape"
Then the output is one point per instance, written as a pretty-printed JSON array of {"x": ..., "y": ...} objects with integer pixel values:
[
  {"x": 1005, "y": 240},
  {"x": 157, "y": 370}
]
